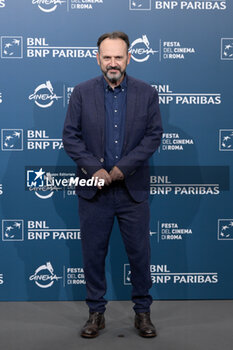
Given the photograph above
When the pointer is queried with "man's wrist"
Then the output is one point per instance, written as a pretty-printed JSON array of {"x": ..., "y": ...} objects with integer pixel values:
[
  {"x": 119, "y": 168},
  {"x": 95, "y": 171}
]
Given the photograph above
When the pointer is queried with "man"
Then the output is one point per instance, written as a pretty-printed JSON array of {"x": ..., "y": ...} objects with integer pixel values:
[{"x": 112, "y": 127}]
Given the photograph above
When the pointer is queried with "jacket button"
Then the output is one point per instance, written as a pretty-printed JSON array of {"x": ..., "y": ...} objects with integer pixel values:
[{"x": 101, "y": 160}]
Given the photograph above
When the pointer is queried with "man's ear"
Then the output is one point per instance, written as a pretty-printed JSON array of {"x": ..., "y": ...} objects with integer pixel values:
[
  {"x": 129, "y": 57},
  {"x": 98, "y": 58}
]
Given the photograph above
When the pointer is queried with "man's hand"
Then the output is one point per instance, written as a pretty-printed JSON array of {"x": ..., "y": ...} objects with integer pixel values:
[
  {"x": 116, "y": 174},
  {"x": 103, "y": 175}
]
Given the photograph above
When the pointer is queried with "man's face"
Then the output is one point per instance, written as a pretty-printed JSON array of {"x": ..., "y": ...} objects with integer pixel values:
[{"x": 113, "y": 58}]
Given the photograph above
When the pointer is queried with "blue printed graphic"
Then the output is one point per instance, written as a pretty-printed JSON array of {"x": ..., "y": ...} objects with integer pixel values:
[
  {"x": 140, "y": 4},
  {"x": 12, "y": 230},
  {"x": 12, "y": 139},
  {"x": 11, "y": 47}
]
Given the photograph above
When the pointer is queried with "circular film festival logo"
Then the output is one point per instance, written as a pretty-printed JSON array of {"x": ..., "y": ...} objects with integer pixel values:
[
  {"x": 44, "y": 95},
  {"x": 140, "y": 49},
  {"x": 44, "y": 276},
  {"x": 48, "y": 5}
]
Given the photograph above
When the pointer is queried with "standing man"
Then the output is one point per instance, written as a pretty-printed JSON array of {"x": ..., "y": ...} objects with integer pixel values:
[{"x": 112, "y": 127}]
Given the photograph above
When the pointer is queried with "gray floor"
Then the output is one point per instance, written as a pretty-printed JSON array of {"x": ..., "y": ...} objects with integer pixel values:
[{"x": 183, "y": 325}]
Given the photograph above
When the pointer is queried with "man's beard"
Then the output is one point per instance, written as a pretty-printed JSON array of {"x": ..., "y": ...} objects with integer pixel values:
[{"x": 114, "y": 78}]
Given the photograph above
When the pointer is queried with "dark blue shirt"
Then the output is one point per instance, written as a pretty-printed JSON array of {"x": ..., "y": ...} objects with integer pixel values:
[{"x": 115, "y": 113}]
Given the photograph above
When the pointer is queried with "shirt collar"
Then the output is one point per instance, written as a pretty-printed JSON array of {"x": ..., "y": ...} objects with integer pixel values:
[{"x": 123, "y": 84}]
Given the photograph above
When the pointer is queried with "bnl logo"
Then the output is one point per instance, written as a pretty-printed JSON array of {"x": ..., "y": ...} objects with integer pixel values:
[
  {"x": 225, "y": 229},
  {"x": 12, "y": 230},
  {"x": 227, "y": 49},
  {"x": 35, "y": 178},
  {"x": 140, "y": 4},
  {"x": 12, "y": 139},
  {"x": 127, "y": 275},
  {"x": 11, "y": 47},
  {"x": 226, "y": 140}
]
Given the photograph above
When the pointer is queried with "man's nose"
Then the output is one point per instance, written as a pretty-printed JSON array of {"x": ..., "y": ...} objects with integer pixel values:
[{"x": 113, "y": 62}]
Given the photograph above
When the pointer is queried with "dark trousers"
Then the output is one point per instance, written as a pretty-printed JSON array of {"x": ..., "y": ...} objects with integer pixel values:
[{"x": 96, "y": 222}]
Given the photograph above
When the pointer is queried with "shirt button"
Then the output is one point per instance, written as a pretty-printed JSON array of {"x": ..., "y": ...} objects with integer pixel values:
[
  {"x": 115, "y": 125},
  {"x": 116, "y": 141},
  {"x": 117, "y": 157},
  {"x": 115, "y": 96},
  {"x": 123, "y": 90},
  {"x": 115, "y": 110},
  {"x": 101, "y": 160}
]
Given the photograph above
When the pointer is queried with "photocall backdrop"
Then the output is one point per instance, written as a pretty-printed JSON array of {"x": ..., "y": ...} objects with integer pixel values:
[{"x": 185, "y": 50}]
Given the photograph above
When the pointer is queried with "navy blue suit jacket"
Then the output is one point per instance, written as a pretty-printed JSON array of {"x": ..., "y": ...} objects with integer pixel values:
[{"x": 84, "y": 134}]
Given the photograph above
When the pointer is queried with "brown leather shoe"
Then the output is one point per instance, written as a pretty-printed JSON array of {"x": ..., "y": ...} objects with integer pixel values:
[
  {"x": 91, "y": 328},
  {"x": 144, "y": 325}
]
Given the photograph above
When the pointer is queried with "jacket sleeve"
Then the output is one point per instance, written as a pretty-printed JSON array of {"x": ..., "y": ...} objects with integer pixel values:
[
  {"x": 148, "y": 144},
  {"x": 72, "y": 137}
]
